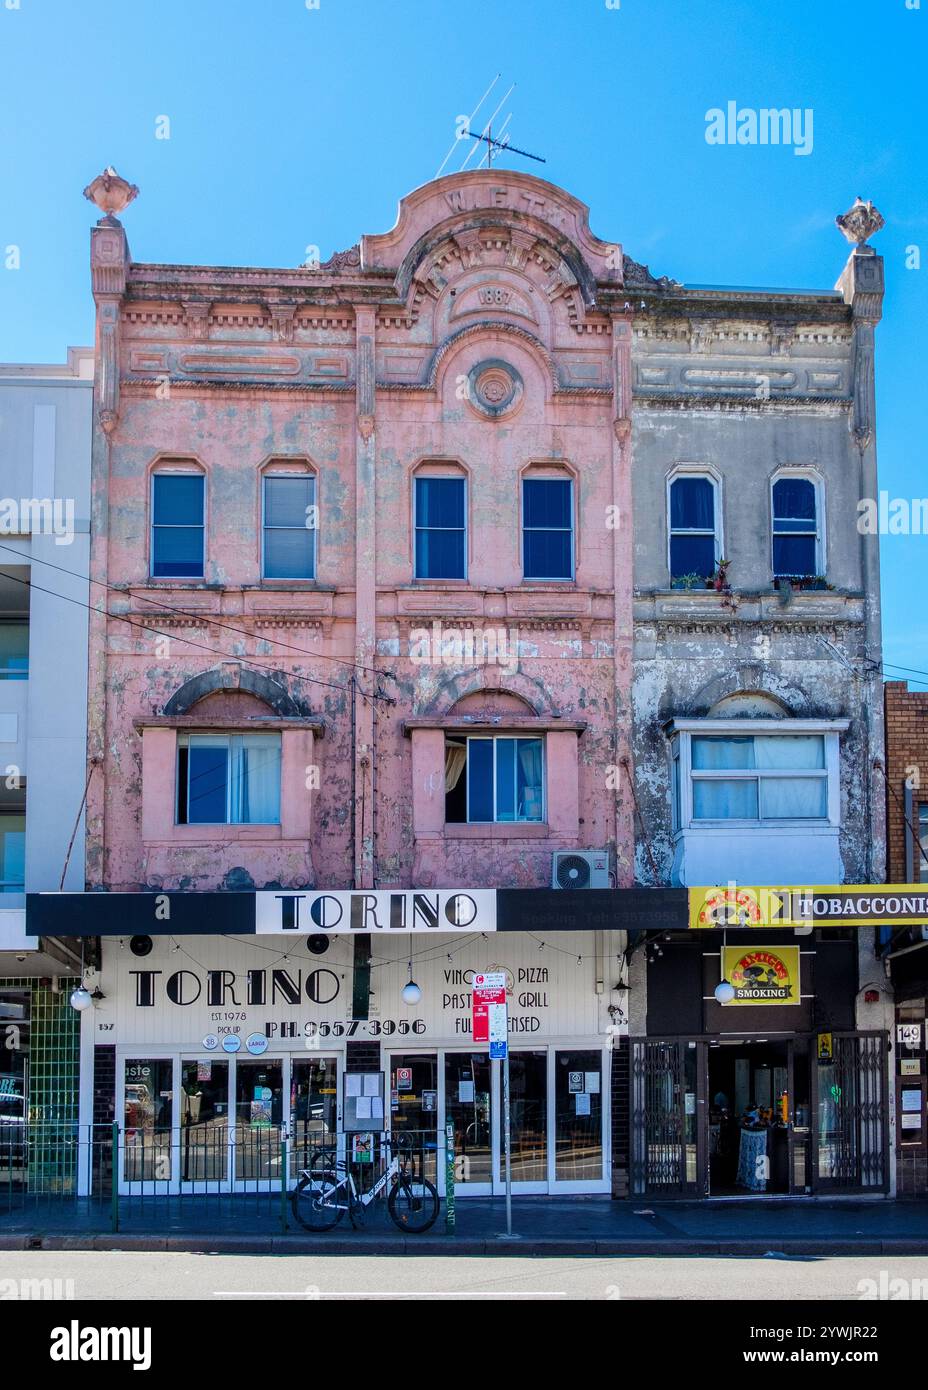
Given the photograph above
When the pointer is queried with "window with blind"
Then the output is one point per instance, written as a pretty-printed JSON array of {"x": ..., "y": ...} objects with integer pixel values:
[
  {"x": 796, "y": 540},
  {"x": 693, "y": 528},
  {"x": 440, "y": 528},
  {"x": 289, "y": 550}
]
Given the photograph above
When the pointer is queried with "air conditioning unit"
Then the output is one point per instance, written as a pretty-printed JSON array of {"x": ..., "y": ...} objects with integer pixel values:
[{"x": 580, "y": 868}]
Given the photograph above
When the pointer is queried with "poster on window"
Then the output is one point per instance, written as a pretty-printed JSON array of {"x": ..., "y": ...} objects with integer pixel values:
[{"x": 761, "y": 974}]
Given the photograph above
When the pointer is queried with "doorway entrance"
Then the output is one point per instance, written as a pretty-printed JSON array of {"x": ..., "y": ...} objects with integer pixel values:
[
  {"x": 794, "y": 1114},
  {"x": 558, "y": 1116},
  {"x": 749, "y": 1117}
]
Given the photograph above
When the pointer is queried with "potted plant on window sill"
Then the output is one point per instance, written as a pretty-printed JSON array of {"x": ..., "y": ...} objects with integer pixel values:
[
  {"x": 687, "y": 581},
  {"x": 719, "y": 580},
  {"x": 792, "y": 583}
]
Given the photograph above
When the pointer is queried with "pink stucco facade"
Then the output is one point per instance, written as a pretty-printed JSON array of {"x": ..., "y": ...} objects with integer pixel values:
[{"x": 487, "y": 337}]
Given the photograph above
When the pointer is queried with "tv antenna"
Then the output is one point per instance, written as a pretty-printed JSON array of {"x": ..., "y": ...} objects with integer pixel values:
[
  {"x": 485, "y": 136},
  {"x": 501, "y": 145}
]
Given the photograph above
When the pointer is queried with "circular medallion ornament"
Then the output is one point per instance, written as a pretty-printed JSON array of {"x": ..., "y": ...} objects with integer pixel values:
[
  {"x": 494, "y": 388},
  {"x": 210, "y": 1042},
  {"x": 256, "y": 1043},
  {"x": 231, "y": 1043}
]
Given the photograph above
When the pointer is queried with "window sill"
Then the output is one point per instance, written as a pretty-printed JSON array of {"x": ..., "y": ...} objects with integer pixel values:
[
  {"x": 496, "y": 830},
  {"x": 216, "y": 834},
  {"x": 766, "y": 827}
]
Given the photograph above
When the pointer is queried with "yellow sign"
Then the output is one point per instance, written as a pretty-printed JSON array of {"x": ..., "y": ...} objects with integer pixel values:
[
  {"x": 826, "y": 1050},
  {"x": 828, "y": 905},
  {"x": 762, "y": 974}
]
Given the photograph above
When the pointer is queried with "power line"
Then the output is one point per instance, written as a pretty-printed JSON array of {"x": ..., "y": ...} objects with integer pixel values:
[
  {"x": 188, "y": 641},
  {"x": 185, "y": 613}
]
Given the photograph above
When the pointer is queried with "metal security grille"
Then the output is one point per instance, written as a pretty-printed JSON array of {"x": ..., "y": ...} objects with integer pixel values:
[
  {"x": 851, "y": 1105},
  {"x": 658, "y": 1130}
]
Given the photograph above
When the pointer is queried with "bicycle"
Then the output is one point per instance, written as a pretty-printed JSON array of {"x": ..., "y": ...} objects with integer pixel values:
[{"x": 323, "y": 1194}]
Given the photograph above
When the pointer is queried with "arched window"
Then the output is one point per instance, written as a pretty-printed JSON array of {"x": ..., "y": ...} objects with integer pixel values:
[
  {"x": 694, "y": 546},
  {"x": 797, "y": 549}
]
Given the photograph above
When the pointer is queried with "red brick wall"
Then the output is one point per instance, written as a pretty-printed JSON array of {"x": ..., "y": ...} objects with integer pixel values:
[{"x": 906, "y": 747}]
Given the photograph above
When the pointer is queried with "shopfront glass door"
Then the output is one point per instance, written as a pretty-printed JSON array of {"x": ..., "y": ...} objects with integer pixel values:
[
  {"x": 467, "y": 1107},
  {"x": 147, "y": 1138},
  {"x": 578, "y": 1116},
  {"x": 414, "y": 1104},
  {"x": 259, "y": 1094},
  {"x": 204, "y": 1121},
  {"x": 528, "y": 1114},
  {"x": 313, "y": 1109}
]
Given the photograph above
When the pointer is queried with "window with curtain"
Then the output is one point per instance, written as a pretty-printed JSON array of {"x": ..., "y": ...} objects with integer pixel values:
[
  {"x": 441, "y": 528},
  {"x": 289, "y": 526},
  {"x": 759, "y": 777},
  {"x": 693, "y": 546},
  {"x": 494, "y": 779},
  {"x": 14, "y": 650},
  {"x": 795, "y": 528},
  {"x": 177, "y": 525},
  {"x": 228, "y": 779},
  {"x": 547, "y": 528}
]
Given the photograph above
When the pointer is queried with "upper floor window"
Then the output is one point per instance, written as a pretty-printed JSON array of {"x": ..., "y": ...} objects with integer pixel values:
[
  {"x": 177, "y": 525},
  {"x": 547, "y": 528},
  {"x": 12, "y": 849},
  {"x": 289, "y": 526},
  {"x": 796, "y": 538},
  {"x": 228, "y": 779},
  {"x": 494, "y": 779},
  {"x": 923, "y": 842},
  {"x": 759, "y": 777},
  {"x": 440, "y": 528},
  {"x": 694, "y": 548},
  {"x": 14, "y": 650}
]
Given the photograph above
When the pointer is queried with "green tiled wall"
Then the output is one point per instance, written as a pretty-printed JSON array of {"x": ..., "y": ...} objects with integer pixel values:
[{"x": 54, "y": 1067}]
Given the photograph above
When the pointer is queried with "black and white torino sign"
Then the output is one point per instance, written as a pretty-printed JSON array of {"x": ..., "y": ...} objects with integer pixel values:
[{"x": 399, "y": 910}]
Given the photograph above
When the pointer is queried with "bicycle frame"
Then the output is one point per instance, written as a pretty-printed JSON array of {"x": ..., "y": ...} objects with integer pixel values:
[{"x": 356, "y": 1198}]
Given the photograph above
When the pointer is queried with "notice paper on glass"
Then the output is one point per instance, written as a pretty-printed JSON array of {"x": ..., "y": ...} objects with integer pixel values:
[
  {"x": 353, "y": 1084},
  {"x": 466, "y": 1092},
  {"x": 583, "y": 1103},
  {"x": 911, "y": 1100},
  {"x": 371, "y": 1083},
  {"x": 592, "y": 1082},
  {"x": 363, "y": 1108},
  {"x": 376, "y": 1107}
]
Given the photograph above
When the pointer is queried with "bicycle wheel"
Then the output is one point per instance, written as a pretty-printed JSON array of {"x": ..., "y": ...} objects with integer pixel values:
[
  {"x": 314, "y": 1202},
  {"x": 413, "y": 1204}
]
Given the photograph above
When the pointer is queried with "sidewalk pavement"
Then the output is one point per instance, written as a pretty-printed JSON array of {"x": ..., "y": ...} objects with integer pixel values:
[{"x": 553, "y": 1226}]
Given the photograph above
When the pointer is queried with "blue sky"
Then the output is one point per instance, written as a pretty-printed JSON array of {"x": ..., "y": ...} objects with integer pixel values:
[{"x": 292, "y": 126}]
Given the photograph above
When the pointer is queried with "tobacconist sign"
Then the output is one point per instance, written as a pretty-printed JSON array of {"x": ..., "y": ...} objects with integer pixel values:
[{"x": 842, "y": 905}]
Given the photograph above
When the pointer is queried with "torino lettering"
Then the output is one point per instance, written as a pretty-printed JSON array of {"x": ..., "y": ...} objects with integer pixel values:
[{"x": 223, "y": 987}]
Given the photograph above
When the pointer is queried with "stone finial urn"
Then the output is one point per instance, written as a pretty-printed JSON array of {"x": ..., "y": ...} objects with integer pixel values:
[
  {"x": 860, "y": 222},
  {"x": 111, "y": 193}
]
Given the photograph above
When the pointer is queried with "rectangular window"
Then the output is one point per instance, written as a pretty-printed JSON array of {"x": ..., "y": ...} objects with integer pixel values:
[
  {"x": 14, "y": 650},
  {"x": 289, "y": 527},
  {"x": 547, "y": 528},
  {"x": 494, "y": 779},
  {"x": 923, "y": 841},
  {"x": 228, "y": 779},
  {"x": 693, "y": 549},
  {"x": 177, "y": 529},
  {"x": 12, "y": 852},
  {"x": 795, "y": 528},
  {"x": 759, "y": 777},
  {"x": 441, "y": 529}
]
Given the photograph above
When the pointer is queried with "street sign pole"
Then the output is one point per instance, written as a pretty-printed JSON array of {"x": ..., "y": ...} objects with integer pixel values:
[{"x": 506, "y": 1137}]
